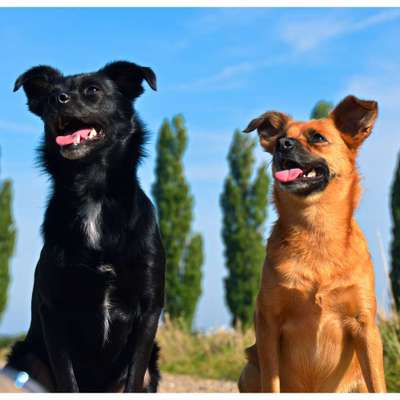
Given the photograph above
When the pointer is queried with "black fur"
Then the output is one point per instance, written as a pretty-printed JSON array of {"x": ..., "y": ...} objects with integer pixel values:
[{"x": 99, "y": 282}]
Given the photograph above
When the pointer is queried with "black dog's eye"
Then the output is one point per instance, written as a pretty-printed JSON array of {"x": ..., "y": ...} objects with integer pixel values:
[
  {"x": 91, "y": 90},
  {"x": 316, "y": 137}
]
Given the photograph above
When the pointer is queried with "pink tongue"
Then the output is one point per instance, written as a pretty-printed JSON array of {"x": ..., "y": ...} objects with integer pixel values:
[
  {"x": 288, "y": 175},
  {"x": 69, "y": 139}
]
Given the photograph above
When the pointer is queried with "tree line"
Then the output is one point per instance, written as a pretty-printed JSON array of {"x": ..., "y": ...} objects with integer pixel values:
[{"x": 244, "y": 205}]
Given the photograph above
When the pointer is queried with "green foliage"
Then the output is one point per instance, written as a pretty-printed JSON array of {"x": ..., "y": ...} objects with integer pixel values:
[
  {"x": 7, "y": 241},
  {"x": 390, "y": 331},
  {"x": 244, "y": 206},
  {"x": 395, "y": 247},
  {"x": 8, "y": 341},
  {"x": 184, "y": 250},
  {"x": 321, "y": 109},
  {"x": 191, "y": 279}
]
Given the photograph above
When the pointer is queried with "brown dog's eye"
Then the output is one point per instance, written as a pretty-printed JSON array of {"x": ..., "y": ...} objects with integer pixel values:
[{"x": 316, "y": 137}]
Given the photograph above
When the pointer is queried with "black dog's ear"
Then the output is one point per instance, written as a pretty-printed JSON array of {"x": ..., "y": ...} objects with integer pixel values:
[
  {"x": 36, "y": 80},
  {"x": 129, "y": 77},
  {"x": 36, "y": 83},
  {"x": 355, "y": 118},
  {"x": 268, "y": 125}
]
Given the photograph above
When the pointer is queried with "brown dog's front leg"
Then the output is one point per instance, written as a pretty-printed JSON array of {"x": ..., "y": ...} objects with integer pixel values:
[
  {"x": 368, "y": 346},
  {"x": 267, "y": 338}
]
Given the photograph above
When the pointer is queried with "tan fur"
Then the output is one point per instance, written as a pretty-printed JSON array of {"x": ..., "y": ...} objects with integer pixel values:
[{"x": 315, "y": 315}]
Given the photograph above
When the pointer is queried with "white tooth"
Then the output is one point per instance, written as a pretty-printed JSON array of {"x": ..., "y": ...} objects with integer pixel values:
[
  {"x": 312, "y": 174},
  {"x": 77, "y": 139},
  {"x": 92, "y": 133}
]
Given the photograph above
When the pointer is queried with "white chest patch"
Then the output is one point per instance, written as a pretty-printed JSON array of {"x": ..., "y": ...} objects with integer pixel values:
[
  {"x": 107, "y": 303},
  {"x": 91, "y": 214},
  {"x": 107, "y": 317}
]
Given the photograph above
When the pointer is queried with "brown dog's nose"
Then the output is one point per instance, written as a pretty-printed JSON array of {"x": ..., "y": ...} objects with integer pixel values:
[
  {"x": 286, "y": 143},
  {"x": 63, "y": 98}
]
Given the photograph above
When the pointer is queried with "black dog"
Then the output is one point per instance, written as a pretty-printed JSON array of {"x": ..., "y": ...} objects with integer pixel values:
[{"x": 99, "y": 283}]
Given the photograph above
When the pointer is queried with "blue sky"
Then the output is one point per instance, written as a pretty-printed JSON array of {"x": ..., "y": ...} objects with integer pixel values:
[{"x": 219, "y": 68}]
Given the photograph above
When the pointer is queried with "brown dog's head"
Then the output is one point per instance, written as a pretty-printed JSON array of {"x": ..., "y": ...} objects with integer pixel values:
[{"x": 307, "y": 156}]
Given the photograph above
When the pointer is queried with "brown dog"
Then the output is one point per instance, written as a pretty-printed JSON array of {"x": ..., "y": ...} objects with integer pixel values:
[{"x": 315, "y": 316}]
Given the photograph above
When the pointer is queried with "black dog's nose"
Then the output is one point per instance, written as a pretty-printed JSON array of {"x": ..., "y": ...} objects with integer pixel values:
[
  {"x": 286, "y": 143},
  {"x": 63, "y": 98}
]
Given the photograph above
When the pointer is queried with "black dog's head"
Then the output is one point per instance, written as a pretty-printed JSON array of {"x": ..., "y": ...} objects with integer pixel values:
[{"x": 87, "y": 112}]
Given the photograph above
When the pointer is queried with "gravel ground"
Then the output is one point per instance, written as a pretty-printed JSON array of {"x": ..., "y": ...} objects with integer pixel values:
[{"x": 189, "y": 384}]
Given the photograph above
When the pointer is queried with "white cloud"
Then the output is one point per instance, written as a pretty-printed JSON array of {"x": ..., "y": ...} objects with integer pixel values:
[
  {"x": 226, "y": 18},
  {"x": 383, "y": 87},
  {"x": 223, "y": 79},
  {"x": 231, "y": 76},
  {"x": 302, "y": 35},
  {"x": 308, "y": 33}
]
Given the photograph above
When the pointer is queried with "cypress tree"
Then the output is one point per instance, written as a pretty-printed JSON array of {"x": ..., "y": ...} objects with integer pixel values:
[
  {"x": 321, "y": 109},
  {"x": 184, "y": 250},
  {"x": 395, "y": 247},
  {"x": 7, "y": 241},
  {"x": 244, "y": 206}
]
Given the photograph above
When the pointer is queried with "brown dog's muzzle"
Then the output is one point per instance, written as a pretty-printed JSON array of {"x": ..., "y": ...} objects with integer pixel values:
[{"x": 297, "y": 170}]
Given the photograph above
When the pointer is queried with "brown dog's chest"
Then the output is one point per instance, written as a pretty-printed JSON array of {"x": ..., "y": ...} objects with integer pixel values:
[
  {"x": 314, "y": 349},
  {"x": 314, "y": 300},
  {"x": 315, "y": 322}
]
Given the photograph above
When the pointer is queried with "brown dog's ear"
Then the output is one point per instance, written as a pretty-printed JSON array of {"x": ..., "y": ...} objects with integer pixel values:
[
  {"x": 355, "y": 118},
  {"x": 268, "y": 125}
]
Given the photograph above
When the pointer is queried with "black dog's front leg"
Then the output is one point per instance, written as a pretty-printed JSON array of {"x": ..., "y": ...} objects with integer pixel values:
[
  {"x": 143, "y": 346},
  {"x": 54, "y": 330},
  {"x": 152, "y": 301}
]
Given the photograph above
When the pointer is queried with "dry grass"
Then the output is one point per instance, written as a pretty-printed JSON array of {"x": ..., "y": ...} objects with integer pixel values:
[{"x": 218, "y": 354}]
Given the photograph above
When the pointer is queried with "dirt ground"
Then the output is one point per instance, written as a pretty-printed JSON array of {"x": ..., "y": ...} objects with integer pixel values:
[
  {"x": 186, "y": 384},
  {"x": 189, "y": 384}
]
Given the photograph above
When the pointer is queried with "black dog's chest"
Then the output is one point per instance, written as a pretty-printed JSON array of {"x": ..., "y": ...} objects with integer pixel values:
[
  {"x": 103, "y": 314},
  {"x": 101, "y": 339},
  {"x": 91, "y": 221},
  {"x": 102, "y": 226},
  {"x": 121, "y": 303},
  {"x": 89, "y": 294}
]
